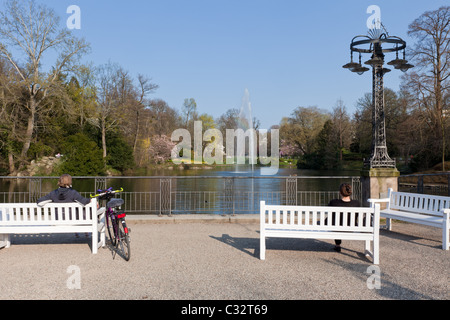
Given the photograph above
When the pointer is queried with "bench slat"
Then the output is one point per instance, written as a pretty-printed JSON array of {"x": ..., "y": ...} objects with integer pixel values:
[
  {"x": 36, "y": 229},
  {"x": 428, "y": 220},
  {"x": 314, "y": 234}
]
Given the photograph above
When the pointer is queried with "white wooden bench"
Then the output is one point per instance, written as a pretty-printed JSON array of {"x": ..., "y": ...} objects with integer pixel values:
[
  {"x": 308, "y": 222},
  {"x": 30, "y": 218},
  {"x": 417, "y": 208}
]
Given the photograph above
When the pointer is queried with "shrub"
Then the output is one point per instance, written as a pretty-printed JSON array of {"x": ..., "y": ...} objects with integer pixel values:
[
  {"x": 82, "y": 157},
  {"x": 120, "y": 154}
]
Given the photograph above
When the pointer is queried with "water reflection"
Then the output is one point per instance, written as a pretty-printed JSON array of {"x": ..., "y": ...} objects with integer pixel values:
[{"x": 242, "y": 180}]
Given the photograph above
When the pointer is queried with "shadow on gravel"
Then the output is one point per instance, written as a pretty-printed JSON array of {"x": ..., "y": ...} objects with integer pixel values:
[{"x": 251, "y": 245}]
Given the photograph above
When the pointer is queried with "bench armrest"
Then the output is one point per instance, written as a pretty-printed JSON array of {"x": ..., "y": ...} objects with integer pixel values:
[
  {"x": 43, "y": 203},
  {"x": 378, "y": 200},
  {"x": 374, "y": 201}
]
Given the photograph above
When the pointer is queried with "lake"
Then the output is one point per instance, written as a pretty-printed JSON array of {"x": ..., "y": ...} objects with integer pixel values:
[{"x": 217, "y": 190}]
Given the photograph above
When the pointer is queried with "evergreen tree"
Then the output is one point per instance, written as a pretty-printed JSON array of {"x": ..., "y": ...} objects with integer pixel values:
[{"x": 82, "y": 157}]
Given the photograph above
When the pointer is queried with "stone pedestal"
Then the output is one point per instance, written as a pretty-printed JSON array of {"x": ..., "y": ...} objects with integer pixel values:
[{"x": 377, "y": 181}]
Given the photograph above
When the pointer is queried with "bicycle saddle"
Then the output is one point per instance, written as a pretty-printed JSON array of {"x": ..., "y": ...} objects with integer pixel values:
[{"x": 115, "y": 202}]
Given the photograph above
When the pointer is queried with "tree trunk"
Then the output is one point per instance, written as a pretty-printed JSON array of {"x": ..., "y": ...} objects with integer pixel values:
[
  {"x": 104, "y": 139},
  {"x": 12, "y": 167},
  {"x": 136, "y": 135},
  {"x": 439, "y": 102},
  {"x": 29, "y": 131}
]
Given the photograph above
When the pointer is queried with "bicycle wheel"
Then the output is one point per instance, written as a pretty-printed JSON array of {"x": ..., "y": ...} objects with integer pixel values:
[
  {"x": 111, "y": 225},
  {"x": 124, "y": 239}
]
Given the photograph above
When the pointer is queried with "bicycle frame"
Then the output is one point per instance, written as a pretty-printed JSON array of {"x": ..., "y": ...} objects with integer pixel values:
[{"x": 115, "y": 217}]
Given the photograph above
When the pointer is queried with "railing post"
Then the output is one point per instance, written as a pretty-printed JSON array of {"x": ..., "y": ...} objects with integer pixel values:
[
  {"x": 165, "y": 203},
  {"x": 420, "y": 184},
  {"x": 448, "y": 185},
  {"x": 35, "y": 189},
  {"x": 291, "y": 191},
  {"x": 100, "y": 183},
  {"x": 357, "y": 189},
  {"x": 229, "y": 195}
]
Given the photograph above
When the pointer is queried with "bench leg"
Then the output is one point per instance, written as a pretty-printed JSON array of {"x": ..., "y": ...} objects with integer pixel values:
[
  {"x": 102, "y": 238},
  {"x": 367, "y": 246},
  {"x": 101, "y": 228},
  {"x": 446, "y": 231},
  {"x": 376, "y": 252},
  {"x": 367, "y": 249},
  {"x": 8, "y": 240},
  {"x": 95, "y": 240},
  {"x": 5, "y": 241},
  {"x": 388, "y": 224},
  {"x": 372, "y": 251},
  {"x": 445, "y": 241},
  {"x": 376, "y": 240},
  {"x": 262, "y": 247}
]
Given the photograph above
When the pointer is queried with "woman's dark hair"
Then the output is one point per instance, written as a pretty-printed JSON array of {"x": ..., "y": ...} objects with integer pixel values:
[{"x": 345, "y": 189}]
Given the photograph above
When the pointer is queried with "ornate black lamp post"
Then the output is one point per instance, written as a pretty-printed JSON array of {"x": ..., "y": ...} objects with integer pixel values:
[{"x": 373, "y": 44}]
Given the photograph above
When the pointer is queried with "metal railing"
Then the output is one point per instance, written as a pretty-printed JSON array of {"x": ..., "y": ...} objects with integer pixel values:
[
  {"x": 193, "y": 194},
  {"x": 214, "y": 194},
  {"x": 433, "y": 183}
]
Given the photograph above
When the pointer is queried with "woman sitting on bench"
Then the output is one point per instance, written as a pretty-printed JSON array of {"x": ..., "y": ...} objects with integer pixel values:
[{"x": 345, "y": 191}]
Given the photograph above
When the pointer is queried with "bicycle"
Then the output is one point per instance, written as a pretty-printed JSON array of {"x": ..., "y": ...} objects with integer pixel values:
[{"x": 118, "y": 232}]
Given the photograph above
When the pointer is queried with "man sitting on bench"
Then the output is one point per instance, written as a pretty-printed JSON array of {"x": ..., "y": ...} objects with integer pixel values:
[{"x": 64, "y": 193}]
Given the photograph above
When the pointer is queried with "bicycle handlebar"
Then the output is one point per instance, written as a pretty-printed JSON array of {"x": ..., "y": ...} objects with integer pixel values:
[{"x": 105, "y": 192}]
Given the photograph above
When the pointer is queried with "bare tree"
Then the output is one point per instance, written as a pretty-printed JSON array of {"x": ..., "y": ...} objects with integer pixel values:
[
  {"x": 145, "y": 87},
  {"x": 431, "y": 55},
  {"x": 108, "y": 100},
  {"x": 29, "y": 33},
  {"x": 189, "y": 110},
  {"x": 341, "y": 127},
  {"x": 164, "y": 118},
  {"x": 120, "y": 103}
]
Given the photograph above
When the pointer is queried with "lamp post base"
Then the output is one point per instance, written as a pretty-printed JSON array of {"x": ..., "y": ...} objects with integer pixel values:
[{"x": 377, "y": 181}]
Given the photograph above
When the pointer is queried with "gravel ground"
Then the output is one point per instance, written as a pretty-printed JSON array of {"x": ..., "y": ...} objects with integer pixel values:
[{"x": 202, "y": 260}]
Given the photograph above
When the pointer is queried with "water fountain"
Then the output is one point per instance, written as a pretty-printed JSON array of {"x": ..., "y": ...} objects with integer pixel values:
[{"x": 245, "y": 122}]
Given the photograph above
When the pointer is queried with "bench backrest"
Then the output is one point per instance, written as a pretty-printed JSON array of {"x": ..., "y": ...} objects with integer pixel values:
[
  {"x": 418, "y": 203},
  {"x": 319, "y": 218},
  {"x": 13, "y": 214}
]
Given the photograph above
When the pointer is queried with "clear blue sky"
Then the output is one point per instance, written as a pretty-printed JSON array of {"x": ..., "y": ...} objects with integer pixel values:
[{"x": 287, "y": 53}]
